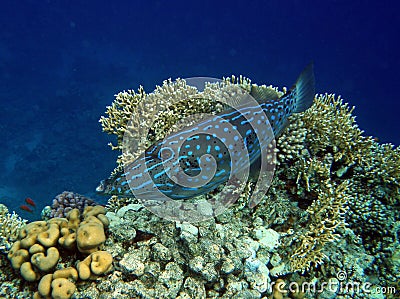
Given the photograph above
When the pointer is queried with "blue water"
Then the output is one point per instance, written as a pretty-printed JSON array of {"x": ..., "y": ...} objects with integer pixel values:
[{"x": 61, "y": 62}]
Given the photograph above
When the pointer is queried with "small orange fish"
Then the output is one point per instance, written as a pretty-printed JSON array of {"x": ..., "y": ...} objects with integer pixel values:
[
  {"x": 30, "y": 201},
  {"x": 26, "y": 208}
]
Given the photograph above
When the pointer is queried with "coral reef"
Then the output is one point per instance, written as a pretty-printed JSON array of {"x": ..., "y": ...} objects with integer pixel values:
[
  {"x": 330, "y": 217},
  {"x": 43, "y": 247},
  {"x": 335, "y": 151},
  {"x": 346, "y": 182},
  {"x": 331, "y": 208},
  {"x": 64, "y": 203}
]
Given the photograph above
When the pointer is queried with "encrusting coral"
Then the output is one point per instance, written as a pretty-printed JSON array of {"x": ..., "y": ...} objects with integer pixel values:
[{"x": 42, "y": 244}]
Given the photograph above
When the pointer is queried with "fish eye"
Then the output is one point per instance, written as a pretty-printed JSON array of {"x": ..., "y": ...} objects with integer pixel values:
[{"x": 165, "y": 153}]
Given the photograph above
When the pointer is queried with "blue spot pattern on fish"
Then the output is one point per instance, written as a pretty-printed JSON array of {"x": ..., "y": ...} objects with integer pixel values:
[{"x": 151, "y": 173}]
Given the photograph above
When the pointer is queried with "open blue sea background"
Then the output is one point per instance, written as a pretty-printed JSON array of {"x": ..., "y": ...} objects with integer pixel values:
[{"x": 61, "y": 62}]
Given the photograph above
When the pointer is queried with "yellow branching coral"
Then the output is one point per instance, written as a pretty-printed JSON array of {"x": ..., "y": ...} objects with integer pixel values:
[
  {"x": 331, "y": 129},
  {"x": 326, "y": 217},
  {"x": 132, "y": 113},
  {"x": 331, "y": 125},
  {"x": 119, "y": 113},
  {"x": 312, "y": 171}
]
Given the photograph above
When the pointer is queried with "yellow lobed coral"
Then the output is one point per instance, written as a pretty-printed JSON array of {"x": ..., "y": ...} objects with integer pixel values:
[
  {"x": 37, "y": 250},
  {"x": 57, "y": 285},
  {"x": 90, "y": 236},
  {"x": 95, "y": 264}
]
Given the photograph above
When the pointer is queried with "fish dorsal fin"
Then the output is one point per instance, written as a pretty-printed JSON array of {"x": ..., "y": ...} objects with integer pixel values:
[{"x": 263, "y": 93}]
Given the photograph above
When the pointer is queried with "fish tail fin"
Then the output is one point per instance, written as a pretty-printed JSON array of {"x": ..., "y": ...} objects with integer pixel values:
[{"x": 304, "y": 89}]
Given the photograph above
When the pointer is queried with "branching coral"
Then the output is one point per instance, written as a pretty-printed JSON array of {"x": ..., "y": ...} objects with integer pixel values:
[
  {"x": 332, "y": 127},
  {"x": 327, "y": 214},
  {"x": 160, "y": 110},
  {"x": 10, "y": 225},
  {"x": 368, "y": 216},
  {"x": 335, "y": 154},
  {"x": 291, "y": 142},
  {"x": 381, "y": 168}
]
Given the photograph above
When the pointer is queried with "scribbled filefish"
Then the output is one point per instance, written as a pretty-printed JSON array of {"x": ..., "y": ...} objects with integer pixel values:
[{"x": 149, "y": 171}]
